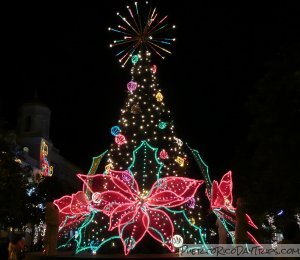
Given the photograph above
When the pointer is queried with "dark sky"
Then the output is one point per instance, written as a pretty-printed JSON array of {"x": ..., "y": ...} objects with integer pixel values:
[{"x": 220, "y": 54}]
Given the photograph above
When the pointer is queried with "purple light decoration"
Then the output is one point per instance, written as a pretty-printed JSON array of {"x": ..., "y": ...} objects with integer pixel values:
[
  {"x": 191, "y": 203},
  {"x": 126, "y": 177},
  {"x": 131, "y": 86}
]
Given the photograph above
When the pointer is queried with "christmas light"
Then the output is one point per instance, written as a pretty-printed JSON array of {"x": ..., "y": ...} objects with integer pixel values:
[
  {"x": 115, "y": 130},
  {"x": 135, "y": 59},
  {"x": 159, "y": 97},
  {"x": 141, "y": 31},
  {"x": 162, "y": 125},
  {"x": 180, "y": 161},
  {"x": 120, "y": 139},
  {"x": 46, "y": 169},
  {"x": 221, "y": 203},
  {"x": 163, "y": 154},
  {"x": 154, "y": 69},
  {"x": 129, "y": 210},
  {"x": 131, "y": 86},
  {"x": 108, "y": 167},
  {"x": 191, "y": 203},
  {"x": 177, "y": 241},
  {"x": 178, "y": 141}
]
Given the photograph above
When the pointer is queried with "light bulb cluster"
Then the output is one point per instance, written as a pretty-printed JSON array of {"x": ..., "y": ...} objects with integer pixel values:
[
  {"x": 144, "y": 118},
  {"x": 46, "y": 168}
]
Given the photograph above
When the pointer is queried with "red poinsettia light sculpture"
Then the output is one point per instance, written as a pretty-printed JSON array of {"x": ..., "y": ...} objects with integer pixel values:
[
  {"x": 136, "y": 213},
  {"x": 73, "y": 208},
  {"x": 221, "y": 203}
]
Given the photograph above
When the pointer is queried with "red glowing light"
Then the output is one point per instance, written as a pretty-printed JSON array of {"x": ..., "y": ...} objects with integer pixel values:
[
  {"x": 163, "y": 154},
  {"x": 120, "y": 139}
]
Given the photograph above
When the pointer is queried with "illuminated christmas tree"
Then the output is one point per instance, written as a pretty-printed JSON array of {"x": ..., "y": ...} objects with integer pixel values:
[
  {"x": 146, "y": 123},
  {"x": 143, "y": 184}
]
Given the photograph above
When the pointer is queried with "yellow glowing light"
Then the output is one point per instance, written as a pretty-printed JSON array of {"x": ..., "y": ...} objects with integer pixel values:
[
  {"x": 193, "y": 221},
  {"x": 180, "y": 161},
  {"x": 108, "y": 167},
  {"x": 159, "y": 97},
  {"x": 51, "y": 170},
  {"x": 18, "y": 161},
  {"x": 44, "y": 148}
]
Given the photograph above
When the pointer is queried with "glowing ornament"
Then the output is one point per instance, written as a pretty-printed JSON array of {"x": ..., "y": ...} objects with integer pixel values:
[
  {"x": 191, "y": 203},
  {"x": 154, "y": 69},
  {"x": 108, "y": 167},
  {"x": 96, "y": 197},
  {"x": 50, "y": 171},
  {"x": 177, "y": 241},
  {"x": 163, "y": 154},
  {"x": 162, "y": 125},
  {"x": 178, "y": 141},
  {"x": 180, "y": 161},
  {"x": 115, "y": 130},
  {"x": 221, "y": 194},
  {"x": 159, "y": 97},
  {"x": 120, "y": 139},
  {"x": 135, "y": 59},
  {"x": 126, "y": 177},
  {"x": 131, "y": 86},
  {"x": 46, "y": 169}
]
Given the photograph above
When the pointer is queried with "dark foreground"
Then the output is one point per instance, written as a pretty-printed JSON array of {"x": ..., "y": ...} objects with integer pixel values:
[{"x": 66, "y": 255}]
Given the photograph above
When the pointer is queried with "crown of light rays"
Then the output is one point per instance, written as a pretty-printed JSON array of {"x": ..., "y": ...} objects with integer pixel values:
[{"x": 139, "y": 31}]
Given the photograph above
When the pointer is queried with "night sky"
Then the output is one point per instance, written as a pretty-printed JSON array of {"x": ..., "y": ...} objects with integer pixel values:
[{"x": 220, "y": 54}]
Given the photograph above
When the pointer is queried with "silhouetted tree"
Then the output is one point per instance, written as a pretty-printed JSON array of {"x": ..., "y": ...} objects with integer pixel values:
[
  {"x": 268, "y": 164},
  {"x": 14, "y": 199}
]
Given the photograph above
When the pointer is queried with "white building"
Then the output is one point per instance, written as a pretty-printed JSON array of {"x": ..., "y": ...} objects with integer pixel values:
[{"x": 33, "y": 134}]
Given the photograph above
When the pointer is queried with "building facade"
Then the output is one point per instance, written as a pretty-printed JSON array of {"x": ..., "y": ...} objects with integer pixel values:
[{"x": 33, "y": 135}]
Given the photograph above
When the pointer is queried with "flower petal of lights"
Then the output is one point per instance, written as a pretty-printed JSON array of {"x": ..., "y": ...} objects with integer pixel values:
[
  {"x": 72, "y": 208},
  {"x": 134, "y": 213},
  {"x": 221, "y": 203},
  {"x": 221, "y": 195},
  {"x": 141, "y": 31},
  {"x": 164, "y": 225}
]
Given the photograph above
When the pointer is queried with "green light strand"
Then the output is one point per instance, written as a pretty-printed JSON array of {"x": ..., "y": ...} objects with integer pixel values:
[
  {"x": 92, "y": 171},
  {"x": 203, "y": 167},
  {"x": 96, "y": 162},
  {"x": 86, "y": 222},
  {"x": 155, "y": 150},
  {"x": 191, "y": 224}
]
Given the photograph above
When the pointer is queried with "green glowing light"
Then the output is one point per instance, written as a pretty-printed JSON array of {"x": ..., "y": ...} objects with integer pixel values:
[
  {"x": 162, "y": 125},
  {"x": 135, "y": 59}
]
